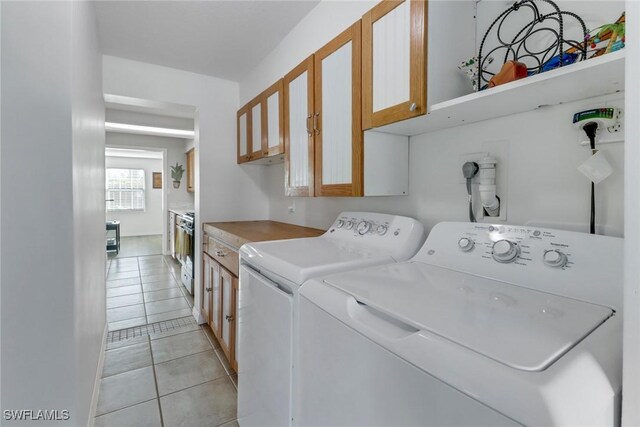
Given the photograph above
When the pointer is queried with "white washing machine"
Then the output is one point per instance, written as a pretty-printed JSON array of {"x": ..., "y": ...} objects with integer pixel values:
[
  {"x": 486, "y": 325},
  {"x": 270, "y": 275}
]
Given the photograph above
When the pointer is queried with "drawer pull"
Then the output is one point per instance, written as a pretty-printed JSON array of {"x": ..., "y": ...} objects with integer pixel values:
[
  {"x": 207, "y": 289},
  {"x": 220, "y": 253}
]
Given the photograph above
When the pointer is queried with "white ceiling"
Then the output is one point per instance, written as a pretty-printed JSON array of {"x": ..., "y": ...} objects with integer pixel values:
[{"x": 225, "y": 39}]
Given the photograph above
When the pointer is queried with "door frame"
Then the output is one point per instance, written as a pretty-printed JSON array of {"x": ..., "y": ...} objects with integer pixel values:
[{"x": 165, "y": 192}]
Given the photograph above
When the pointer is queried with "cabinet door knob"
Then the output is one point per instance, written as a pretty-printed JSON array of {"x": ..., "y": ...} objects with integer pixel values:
[
  {"x": 207, "y": 289},
  {"x": 413, "y": 107},
  {"x": 229, "y": 318},
  {"x": 220, "y": 253}
]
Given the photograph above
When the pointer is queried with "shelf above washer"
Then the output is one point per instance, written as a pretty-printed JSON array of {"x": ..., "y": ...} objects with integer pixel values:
[{"x": 587, "y": 79}]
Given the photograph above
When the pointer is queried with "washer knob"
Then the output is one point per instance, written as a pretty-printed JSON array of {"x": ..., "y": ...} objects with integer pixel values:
[
  {"x": 505, "y": 251},
  {"x": 382, "y": 230},
  {"x": 364, "y": 227},
  {"x": 340, "y": 223},
  {"x": 350, "y": 225},
  {"x": 554, "y": 258},
  {"x": 465, "y": 244}
]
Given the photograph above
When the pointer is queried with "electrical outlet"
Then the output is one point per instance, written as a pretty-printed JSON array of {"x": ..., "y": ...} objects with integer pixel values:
[
  {"x": 469, "y": 157},
  {"x": 604, "y": 136}
]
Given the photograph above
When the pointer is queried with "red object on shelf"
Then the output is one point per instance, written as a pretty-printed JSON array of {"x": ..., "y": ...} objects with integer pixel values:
[{"x": 510, "y": 71}]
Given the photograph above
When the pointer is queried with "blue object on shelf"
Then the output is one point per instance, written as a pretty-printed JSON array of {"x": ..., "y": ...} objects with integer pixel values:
[{"x": 553, "y": 63}]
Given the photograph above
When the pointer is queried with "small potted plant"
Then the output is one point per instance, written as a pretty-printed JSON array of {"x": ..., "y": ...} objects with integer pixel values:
[{"x": 176, "y": 174}]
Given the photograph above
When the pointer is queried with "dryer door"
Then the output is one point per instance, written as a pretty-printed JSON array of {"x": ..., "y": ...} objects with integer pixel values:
[{"x": 265, "y": 316}]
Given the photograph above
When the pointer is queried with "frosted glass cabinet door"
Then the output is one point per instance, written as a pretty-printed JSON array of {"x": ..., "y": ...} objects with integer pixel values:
[
  {"x": 258, "y": 138},
  {"x": 394, "y": 62},
  {"x": 274, "y": 118},
  {"x": 298, "y": 136},
  {"x": 337, "y": 118},
  {"x": 244, "y": 134}
]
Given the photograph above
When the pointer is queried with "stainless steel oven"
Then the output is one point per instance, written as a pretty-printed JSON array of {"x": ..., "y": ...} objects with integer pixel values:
[{"x": 185, "y": 244}]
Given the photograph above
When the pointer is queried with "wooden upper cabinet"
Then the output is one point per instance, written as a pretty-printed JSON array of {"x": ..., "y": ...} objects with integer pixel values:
[
  {"x": 258, "y": 137},
  {"x": 261, "y": 125},
  {"x": 298, "y": 135},
  {"x": 394, "y": 56},
  {"x": 337, "y": 124},
  {"x": 244, "y": 133},
  {"x": 273, "y": 119},
  {"x": 191, "y": 173}
]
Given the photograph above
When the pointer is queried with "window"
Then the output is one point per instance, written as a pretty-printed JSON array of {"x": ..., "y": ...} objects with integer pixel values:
[{"x": 125, "y": 189}]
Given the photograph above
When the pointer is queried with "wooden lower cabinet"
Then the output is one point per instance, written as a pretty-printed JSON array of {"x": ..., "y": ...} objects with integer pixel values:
[
  {"x": 220, "y": 290},
  {"x": 229, "y": 293},
  {"x": 220, "y": 287}
]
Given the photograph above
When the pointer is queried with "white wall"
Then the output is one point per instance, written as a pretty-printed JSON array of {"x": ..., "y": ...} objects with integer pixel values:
[
  {"x": 52, "y": 249},
  {"x": 224, "y": 190},
  {"x": 147, "y": 222},
  {"x": 88, "y": 206},
  {"x": 631, "y": 327}
]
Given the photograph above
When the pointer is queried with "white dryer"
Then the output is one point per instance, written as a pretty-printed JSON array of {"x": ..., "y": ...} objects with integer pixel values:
[
  {"x": 270, "y": 275},
  {"x": 486, "y": 325}
]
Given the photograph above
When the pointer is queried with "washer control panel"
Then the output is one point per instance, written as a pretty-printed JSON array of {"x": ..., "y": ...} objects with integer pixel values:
[
  {"x": 509, "y": 244},
  {"x": 398, "y": 235},
  {"x": 362, "y": 226},
  {"x": 578, "y": 265}
]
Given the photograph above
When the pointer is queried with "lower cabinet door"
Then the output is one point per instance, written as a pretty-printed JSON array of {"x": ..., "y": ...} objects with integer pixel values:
[
  {"x": 228, "y": 326},
  {"x": 205, "y": 305},
  {"x": 216, "y": 297}
]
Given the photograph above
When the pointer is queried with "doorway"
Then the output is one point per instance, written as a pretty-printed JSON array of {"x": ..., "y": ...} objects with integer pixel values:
[{"x": 135, "y": 198}]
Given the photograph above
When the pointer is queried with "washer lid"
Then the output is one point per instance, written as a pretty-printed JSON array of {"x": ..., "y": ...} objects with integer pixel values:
[
  {"x": 519, "y": 327},
  {"x": 300, "y": 259}
]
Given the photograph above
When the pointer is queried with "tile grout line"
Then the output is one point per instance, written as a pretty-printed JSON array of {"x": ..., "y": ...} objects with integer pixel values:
[
  {"x": 125, "y": 407},
  {"x": 227, "y": 371},
  {"x": 153, "y": 362}
]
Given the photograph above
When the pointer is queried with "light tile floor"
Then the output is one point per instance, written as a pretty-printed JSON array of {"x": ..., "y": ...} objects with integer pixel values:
[
  {"x": 138, "y": 246},
  {"x": 145, "y": 289},
  {"x": 178, "y": 377},
  {"x": 174, "y": 378}
]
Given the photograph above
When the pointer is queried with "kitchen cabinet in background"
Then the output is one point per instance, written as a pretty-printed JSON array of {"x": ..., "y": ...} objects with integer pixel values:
[
  {"x": 172, "y": 233},
  {"x": 191, "y": 182}
]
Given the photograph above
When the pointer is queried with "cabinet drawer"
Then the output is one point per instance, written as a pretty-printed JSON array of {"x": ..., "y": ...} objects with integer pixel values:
[{"x": 225, "y": 255}]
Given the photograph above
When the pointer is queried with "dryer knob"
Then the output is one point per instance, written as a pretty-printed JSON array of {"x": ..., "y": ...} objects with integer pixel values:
[
  {"x": 465, "y": 244},
  {"x": 350, "y": 225},
  {"x": 340, "y": 223},
  {"x": 363, "y": 227},
  {"x": 554, "y": 258},
  {"x": 382, "y": 230},
  {"x": 505, "y": 251}
]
